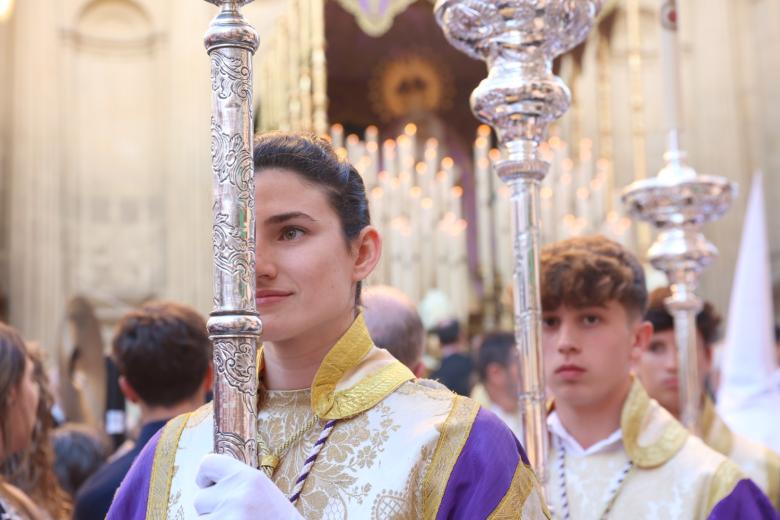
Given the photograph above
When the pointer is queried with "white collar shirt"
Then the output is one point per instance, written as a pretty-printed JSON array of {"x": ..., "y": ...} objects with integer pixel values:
[{"x": 573, "y": 448}]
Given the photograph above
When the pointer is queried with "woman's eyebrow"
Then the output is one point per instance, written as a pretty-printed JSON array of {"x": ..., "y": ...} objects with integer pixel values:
[{"x": 284, "y": 217}]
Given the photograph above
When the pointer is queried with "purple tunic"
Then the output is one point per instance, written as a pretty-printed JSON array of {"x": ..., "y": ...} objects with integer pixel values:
[
  {"x": 483, "y": 471},
  {"x": 133, "y": 494},
  {"x": 746, "y": 501}
]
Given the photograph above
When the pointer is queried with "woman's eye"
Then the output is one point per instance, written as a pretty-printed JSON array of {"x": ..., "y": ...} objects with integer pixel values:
[{"x": 292, "y": 233}]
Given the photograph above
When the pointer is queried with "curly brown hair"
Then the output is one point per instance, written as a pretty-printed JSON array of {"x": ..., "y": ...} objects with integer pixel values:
[
  {"x": 707, "y": 320},
  {"x": 585, "y": 271},
  {"x": 32, "y": 470}
]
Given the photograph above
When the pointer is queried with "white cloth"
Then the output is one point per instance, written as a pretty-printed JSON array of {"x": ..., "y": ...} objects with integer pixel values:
[
  {"x": 612, "y": 442},
  {"x": 748, "y": 400},
  {"x": 231, "y": 489}
]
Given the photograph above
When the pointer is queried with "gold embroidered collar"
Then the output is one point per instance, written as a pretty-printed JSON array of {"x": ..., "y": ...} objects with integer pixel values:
[
  {"x": 354, "y": 376},
  {"x": 714, "y": 431},
  {"x": 650, "y": 435}
]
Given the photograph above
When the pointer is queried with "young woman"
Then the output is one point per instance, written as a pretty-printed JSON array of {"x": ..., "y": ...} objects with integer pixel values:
[
  {"x": 345, "y": 429},
  {"x": 19, "y": 397}
]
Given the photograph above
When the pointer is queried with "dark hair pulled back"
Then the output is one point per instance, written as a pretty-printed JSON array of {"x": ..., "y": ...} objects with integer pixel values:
[{"x": 314, "y": 159}]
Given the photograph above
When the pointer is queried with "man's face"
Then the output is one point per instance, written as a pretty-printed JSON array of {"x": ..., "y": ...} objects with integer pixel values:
[
  {"x": 589, "y": 351},
  {"x": 657, "y": 369},
  {"x": 505, "y": 378}
]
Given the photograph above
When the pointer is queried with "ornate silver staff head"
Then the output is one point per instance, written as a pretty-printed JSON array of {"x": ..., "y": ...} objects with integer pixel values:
[
  {"x": 678, "y": 202},
  {"x": 520, "y": 98}
]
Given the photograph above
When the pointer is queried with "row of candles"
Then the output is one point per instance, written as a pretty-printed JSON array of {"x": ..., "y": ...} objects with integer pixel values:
[{"x": 417, "y": 205}]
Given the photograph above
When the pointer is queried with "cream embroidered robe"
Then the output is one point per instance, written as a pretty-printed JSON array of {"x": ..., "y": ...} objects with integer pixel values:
[
  {"x": 402, "y": 448},
  {"x": 674, "y": 476}
]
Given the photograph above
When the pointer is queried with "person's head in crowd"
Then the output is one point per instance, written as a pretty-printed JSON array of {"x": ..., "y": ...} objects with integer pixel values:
[
  {"x": 32, "y": 470},
  {"x": 395, "y": 325},
  {"x": 163, "y": 353},
  {"x": 20, "y": 394},
  {"x": 25, "y": 462},
  {"x": 448, "y": 332},
  {"x": 79, "y": 451},
  {"x": 657, "y": 367},
  {"x": 593, "y": 302},
  {"x": 498, "y": 363}
]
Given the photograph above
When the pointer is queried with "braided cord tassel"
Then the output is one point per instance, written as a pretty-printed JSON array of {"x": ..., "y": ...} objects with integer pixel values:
[{"x": 315, "y": 451}]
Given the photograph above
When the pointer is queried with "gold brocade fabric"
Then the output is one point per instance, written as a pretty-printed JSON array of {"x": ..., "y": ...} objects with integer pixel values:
[{"x": 372, "y": 466}]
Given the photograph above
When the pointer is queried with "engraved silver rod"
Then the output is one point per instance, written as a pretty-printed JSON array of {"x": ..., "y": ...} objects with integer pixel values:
[{"x": 234, "y": 325}]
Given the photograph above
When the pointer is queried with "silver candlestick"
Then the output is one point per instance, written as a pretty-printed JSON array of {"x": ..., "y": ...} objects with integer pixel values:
[
  {"x": 234, "y": 325},
  {"x": 678, "y": 202},
  {"x": 520, "y": 98}
]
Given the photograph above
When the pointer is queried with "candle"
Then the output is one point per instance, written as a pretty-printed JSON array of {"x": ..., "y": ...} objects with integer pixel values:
[
  {"x": 410, "y": 131},
  {"x": 376, "y": 199},
  {"x": 431, "y": 158},
  {"x": 427, "y": 238},
  {"x": 372, "y": 134},
  {"x": 456, "y": 201},
  {"x": 583, "y": 204},
  {"x": 389, "y": 156},
  {"x": 586, "y": 162},
  {"x": 372, "y": 159},
  {"x": 337, "y": 135},
  {"x": 354, "y": 148}
]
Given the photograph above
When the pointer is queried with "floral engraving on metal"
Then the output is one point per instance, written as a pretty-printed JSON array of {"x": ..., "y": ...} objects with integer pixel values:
[
  {"x": 234, "y": 325},
  {"x": 230, "y": 75}
]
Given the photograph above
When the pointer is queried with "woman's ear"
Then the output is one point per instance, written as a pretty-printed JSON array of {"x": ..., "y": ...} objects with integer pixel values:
[{"x": 367, "y": 250}]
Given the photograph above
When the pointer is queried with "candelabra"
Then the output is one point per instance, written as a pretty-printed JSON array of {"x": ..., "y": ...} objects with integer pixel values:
[
  {"x": 520, "y": 98},
  {"x": 678, "y": 202}
]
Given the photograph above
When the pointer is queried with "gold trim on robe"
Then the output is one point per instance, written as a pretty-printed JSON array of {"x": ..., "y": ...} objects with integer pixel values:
[
  {"x": 523, "y": 483},
  {"x": 162, "y": 468},
  {"x": 355, "y": 375},
  {"x": 454, "y": 434},
  {"x": 759, "y": 463},
  {"x": 726, "y": 478},
  {"x": 648, "y": 448}
]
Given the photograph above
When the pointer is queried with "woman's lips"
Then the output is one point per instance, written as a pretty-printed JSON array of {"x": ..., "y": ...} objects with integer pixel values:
[{"x": 270, "y": 297}]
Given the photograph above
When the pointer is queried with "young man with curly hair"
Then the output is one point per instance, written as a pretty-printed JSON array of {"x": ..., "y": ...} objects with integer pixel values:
[{"x": 616, "y": 453}]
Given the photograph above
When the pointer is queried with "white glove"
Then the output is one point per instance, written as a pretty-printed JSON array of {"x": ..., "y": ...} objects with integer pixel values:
[{"x": 232, "y": 490}]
